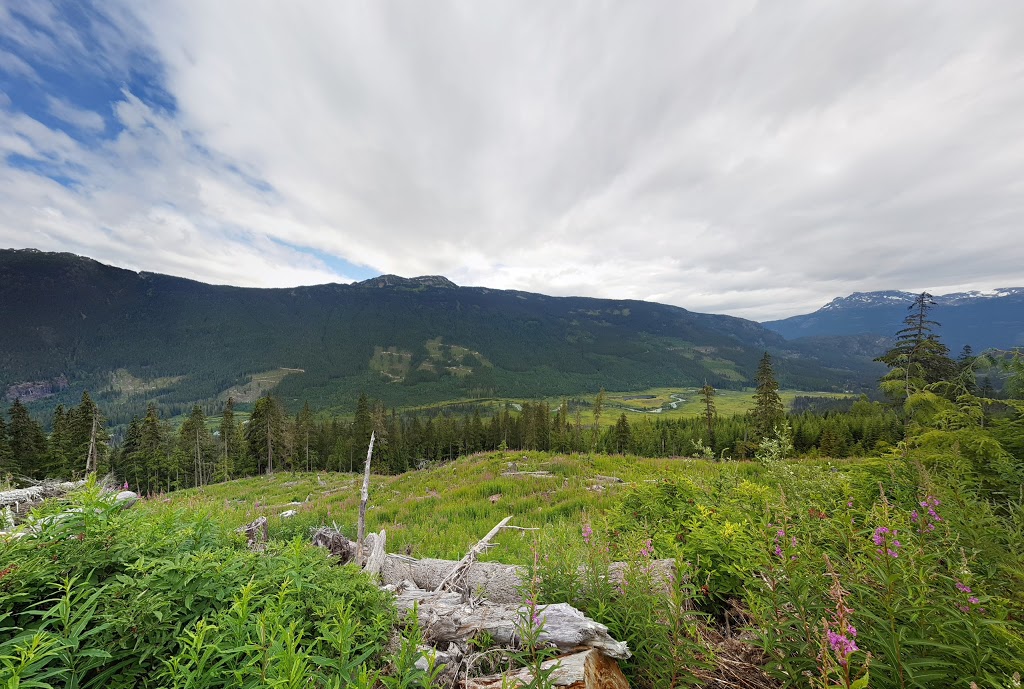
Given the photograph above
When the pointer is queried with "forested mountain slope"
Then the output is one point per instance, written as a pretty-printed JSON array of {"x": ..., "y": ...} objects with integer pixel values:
[{"x": 70, "y": 322}]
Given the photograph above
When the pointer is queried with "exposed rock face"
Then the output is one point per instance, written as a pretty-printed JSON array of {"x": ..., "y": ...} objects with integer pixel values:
[{"x": 31, "y": 391}]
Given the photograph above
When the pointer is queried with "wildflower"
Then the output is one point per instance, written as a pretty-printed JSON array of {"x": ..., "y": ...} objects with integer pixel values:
[
  {"x": 587, "y": 533},
  {"x": 885, "y": 546},
  {"x": 973, "y": 600},
  {"x": 125, "y": 486},
  {"x": 842, "y": 646},
  {"x": 849, "y": 503},
  {"x": 879, "y": 535},
  {"x": 963, "y": 588},
  {"x": 647, "y": 550}
]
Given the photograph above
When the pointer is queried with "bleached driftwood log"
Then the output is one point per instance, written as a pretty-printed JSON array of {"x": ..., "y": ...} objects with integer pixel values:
[
  {"x": 528, "y": 474},
  {"x": 497, "y": 582},
  {"x": 588, "y": 669},
  {"x": 20, "y": 497},
  {"x": 444, "y": 617}
]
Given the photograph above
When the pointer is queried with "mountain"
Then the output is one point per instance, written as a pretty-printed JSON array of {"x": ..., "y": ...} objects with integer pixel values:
[
  {"x": 72, "y": 323},
  {"x": 983, "y": 320}
]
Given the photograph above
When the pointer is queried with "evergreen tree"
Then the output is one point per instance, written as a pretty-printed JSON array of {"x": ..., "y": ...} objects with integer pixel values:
[
  {"x": 59, "y": 463},
  {"x": 598, "y": 408},
  {"x": 707, "y": 395},
  {"x": 27, "y": 442},
  {"x": 265, "y": 433},
  {"x": 303, "y": 429},
  {"x": 86, "y": 437},
  {"x": 194, "y": 451},
  {"x": 150, "y": 458},
  {"x": 768, "y": 410},
  {"x": 362, "y": 426},
  {"x": 230, "y": 440},
  {"x": 6, "y": 467},
  {"x": 623, "y": 435},
  {"x": 918, "y": 358}
]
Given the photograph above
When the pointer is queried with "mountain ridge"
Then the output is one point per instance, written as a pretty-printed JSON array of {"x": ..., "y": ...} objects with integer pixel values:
[
  {"x": 983, "y": 319},
  {"x": 405, "y": 340}
]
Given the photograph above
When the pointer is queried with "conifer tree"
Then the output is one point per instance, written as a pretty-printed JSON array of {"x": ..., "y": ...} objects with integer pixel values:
[
  {"x": 303, "y": 430},
  {"x": 230, "y": 440},
  {"x": 768, "y": 411},
  {"x": 707, "y": 395},
  {"x": 194, "y": 449},
  {"x": 59, "y": 463},
  {"x": 918, "y": 358},
  {"x": 151, "y": 454},
  {"x": 5, "y": 451},
  {"x": 623, "y": 435},
  {"x": 265, "y": 433},
  {"x": 27, "y": 442}
]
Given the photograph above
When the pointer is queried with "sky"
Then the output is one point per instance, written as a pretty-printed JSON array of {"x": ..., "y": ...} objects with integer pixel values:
[{"x": 741, "y": 157}]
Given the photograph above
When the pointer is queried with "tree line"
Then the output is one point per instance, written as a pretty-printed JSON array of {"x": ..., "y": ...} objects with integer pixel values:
[{"x": 153, "y": 455}]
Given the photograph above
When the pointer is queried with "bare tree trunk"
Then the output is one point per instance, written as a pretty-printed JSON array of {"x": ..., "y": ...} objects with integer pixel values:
[
  {"x": 91, "y": 460},
  {"x": 364, "y": 495}
]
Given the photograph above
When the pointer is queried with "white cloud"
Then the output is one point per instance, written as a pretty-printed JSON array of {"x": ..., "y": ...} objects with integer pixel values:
[
  {"x": 83, "y": 119},
  {"x": 754, "y": 158}
]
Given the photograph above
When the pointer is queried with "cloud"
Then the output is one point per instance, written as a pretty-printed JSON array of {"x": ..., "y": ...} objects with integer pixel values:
[
  {"x": 83, "y": 119},
  {"x": 752, "y": 158}
]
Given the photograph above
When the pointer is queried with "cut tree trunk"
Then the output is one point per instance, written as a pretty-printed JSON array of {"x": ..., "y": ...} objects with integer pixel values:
[
  {"x": 586, "y": 670},
  {"x": 444, "y": 617}
]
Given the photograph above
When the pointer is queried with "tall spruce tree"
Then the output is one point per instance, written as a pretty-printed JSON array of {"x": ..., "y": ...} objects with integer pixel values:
[
  {"x": 768, "y": 410},
  {"x": 230, "y": 441},
  {"x": 707, "y": 396},
  {"x": 918, "y": 358},
  {"x": 303, "y": 433}
]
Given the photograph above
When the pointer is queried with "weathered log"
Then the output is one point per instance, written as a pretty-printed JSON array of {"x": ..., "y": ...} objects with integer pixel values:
[
  {"x": 528, "y": 474},
  {"x": 588, "y": 669},
  {"x": 497, "y": 582},
  {"x": 19, "y": 498},
  {"x": 444, "y": 617}
]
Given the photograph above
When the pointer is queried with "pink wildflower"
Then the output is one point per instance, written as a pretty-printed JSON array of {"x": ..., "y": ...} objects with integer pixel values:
[{"x": 587, "y": 533}]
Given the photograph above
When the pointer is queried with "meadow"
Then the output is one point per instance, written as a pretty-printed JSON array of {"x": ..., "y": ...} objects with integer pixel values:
[{"x": 894, "y": 571}]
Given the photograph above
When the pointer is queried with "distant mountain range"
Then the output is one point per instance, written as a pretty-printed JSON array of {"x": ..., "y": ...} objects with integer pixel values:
[
  {"x": 983, "y": 320},
  {"x": 71, "y": 323}
]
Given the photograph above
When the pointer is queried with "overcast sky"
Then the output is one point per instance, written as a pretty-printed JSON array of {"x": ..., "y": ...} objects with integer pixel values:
[{"x": 751, "y": 158}]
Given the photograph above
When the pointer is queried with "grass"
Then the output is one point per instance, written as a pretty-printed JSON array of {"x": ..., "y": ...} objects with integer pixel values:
[{"x": 442, "y": 511}]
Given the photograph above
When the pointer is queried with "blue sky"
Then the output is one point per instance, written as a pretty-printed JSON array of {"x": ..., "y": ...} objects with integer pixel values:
[{"x": 738, "y": 157}]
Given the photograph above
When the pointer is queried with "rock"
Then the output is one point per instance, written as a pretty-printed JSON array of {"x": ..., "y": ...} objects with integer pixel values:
[{"x": 126, "y": 498}]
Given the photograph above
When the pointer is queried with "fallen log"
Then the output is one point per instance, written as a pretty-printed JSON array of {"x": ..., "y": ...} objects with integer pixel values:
[
  {"x": 528, "y": 474},
  {"x": 19, "y": 498},
  {"x": 444, "y": 617},
  {"x": 495, "y": 581},
  {"x": 585, "y": 670}
]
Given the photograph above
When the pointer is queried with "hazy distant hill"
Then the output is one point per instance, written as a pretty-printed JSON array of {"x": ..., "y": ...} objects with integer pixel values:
[
  {"x": 137, "y": 336},
  {"x": 980, "y": 319}
]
